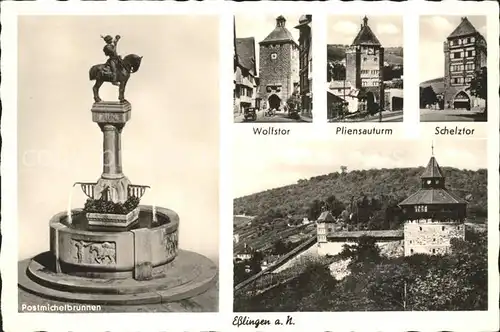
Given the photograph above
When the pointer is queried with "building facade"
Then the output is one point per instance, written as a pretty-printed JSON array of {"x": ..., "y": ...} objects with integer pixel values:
[
  {"x": 305, "y": 63},
  {"x": 365, "y": 63},
  {"x": 464, "y": 54},
  {"x": 433, "y": 215},
  {"x": 279, "y": 66},
  {"x": 245, "y": 75}
]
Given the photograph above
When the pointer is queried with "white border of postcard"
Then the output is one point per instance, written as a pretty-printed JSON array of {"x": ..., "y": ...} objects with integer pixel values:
[{"x": 222, "y": 321}]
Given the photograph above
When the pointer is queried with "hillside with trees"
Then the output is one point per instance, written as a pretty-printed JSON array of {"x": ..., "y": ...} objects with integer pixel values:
[
  {"x": 362, "y": 199},
  {"x": 456, "y": 281},
  {"x": 392, "y": 55}
]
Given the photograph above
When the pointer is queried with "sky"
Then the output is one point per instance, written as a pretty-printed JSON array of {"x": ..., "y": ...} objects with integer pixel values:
[
  {"x": 260, "y": 27},
  {"x": 276, "y": 163},
  {"x": 343, "y": 29},
  {"x": 433, "y": 32},
  {"x": 171, "y": 142}
]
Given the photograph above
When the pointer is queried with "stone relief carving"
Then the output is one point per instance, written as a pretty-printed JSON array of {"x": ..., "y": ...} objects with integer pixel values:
[
  {"x": 100, "y": 253},
  {"x": 171, "y": 241}
]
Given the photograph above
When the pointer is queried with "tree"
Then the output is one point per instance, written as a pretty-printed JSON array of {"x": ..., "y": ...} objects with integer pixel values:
[
  {"x": 294, "y": 102},
  {"x": 364, "y": 252},
  {"x": 343, "y": 169},
  {"x": 479, "y": 85},
  {"x": 314, "y": 210},
  {"x": 427, "y": 96}
]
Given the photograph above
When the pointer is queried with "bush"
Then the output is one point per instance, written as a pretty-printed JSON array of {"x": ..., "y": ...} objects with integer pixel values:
[{"x": 103, "y": 206}]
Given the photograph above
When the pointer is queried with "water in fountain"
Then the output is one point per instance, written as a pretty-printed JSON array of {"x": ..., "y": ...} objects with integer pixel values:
[
  {"x": 155, "y": 219},
  {"x": 68, "y": 213}
]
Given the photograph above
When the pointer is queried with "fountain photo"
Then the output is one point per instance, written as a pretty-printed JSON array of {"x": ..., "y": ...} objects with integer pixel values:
[
  {"x": 393, "y": 225},
  {"x": 118, "y": 165}
]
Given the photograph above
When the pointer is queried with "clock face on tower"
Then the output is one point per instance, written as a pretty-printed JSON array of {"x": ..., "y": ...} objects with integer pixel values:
[{"x": 274, "y": 56}]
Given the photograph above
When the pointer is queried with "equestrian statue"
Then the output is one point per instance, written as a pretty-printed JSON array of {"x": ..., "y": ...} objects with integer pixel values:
[{"x": 116, "y": 70}]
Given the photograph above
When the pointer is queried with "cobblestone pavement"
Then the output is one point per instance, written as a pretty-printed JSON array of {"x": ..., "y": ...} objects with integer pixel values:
[{"x": 451, "y": 115}]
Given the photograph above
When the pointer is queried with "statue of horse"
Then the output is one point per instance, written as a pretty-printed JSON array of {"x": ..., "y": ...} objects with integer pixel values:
[{"x": 102, "y": 73}]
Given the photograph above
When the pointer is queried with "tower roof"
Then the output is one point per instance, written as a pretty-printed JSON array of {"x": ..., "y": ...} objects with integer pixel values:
[
  {"x": 280, "y": 33},
  {"x": 463, "y": 29},
  {"x": 326, "y": 216},
  {"x": 432, "y": 196},
  {"x": 432, "y": 170},
  {"x": 366, "y": 36}
]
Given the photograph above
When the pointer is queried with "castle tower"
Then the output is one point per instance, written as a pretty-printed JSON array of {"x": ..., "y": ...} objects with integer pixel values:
[
  {"x": 364, "y": 58},
  {"x": 279, "y": 66},
  {"x": 433, "y": 215},
  {"x": 324, "y": 226},
  {"x": 464, "y": 53}
]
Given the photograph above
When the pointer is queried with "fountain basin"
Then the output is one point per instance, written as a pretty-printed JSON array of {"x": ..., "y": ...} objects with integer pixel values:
[{"x": 81, "y": 250}]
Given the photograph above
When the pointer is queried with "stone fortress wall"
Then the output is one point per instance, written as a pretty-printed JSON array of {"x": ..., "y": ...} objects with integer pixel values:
[{"x": 430, "y": 238}]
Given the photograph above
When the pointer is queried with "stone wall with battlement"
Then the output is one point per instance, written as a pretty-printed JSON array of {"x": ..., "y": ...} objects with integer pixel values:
[
  {"x": 388, "y": 247},
  {"x": 430, "y": 238}
]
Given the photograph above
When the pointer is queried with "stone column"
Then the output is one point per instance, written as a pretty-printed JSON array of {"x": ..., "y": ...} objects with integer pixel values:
[
  {"x": 111, "y": 118},
  {"x": 111, "y": 155}
]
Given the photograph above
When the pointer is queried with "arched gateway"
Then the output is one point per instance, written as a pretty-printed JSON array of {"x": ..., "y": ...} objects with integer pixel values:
[
  {"x": 461, "y": 100},
  {"x": 274, "y": 101}
]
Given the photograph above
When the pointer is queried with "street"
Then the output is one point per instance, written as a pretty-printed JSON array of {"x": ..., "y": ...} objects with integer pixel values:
[
  {"x": 452, "y": 115},
  {"x": 278, "y": 117},
  {"x": 387, "y": 116}
]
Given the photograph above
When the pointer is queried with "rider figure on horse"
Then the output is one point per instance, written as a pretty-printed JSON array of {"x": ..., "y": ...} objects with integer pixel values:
[{"x": 114, "y": 59}]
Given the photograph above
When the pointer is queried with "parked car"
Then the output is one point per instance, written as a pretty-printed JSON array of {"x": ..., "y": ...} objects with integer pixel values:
[
  {"x": 294, "y": 114},
  {"x": 250, "y": 114}
]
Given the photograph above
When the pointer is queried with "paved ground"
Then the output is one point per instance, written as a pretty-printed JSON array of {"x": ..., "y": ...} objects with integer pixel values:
[
  {"x": 279, "y": 117},
  {"x": 206, "y": 302},
  {"x": 451, "y": 115},
  {"x": 387, "y": 116}
]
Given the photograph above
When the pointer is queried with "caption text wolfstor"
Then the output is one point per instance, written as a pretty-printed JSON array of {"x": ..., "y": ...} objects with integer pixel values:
[{"x": 271, "y": 131}]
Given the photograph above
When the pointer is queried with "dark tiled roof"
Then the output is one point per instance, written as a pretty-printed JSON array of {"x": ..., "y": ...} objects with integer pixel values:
[
  {"x": 245, "y": 49},
  {"x": 463, "y": 29},
  {"x": 432, "y": 196},
  {"x": 432, "y": 170},
  {"x": 366, "y": 36},
  {"x": 373, "y": 234},
  {"x": 326, "y": 216},
  {"x": 280, "y": 34}
]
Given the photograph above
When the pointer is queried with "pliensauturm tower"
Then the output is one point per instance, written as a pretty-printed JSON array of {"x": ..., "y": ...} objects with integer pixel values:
[
  {"x": 365, "y": 62},
  {"x": 278, "y": 66}
]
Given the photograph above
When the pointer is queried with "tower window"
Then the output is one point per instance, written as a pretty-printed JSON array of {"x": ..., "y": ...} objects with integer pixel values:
[
  {"x": 364, "y": 59},
  {"x": 375, "y": 58},
  {"x": 433, "y": 251},
  {"x": 433, "y": 240},
  {"x": 442, "y": 228},
  {"x": 420, "y": 228},
  {"x": 411, "y": 251},
  {"x": 274, "y": 56}
]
